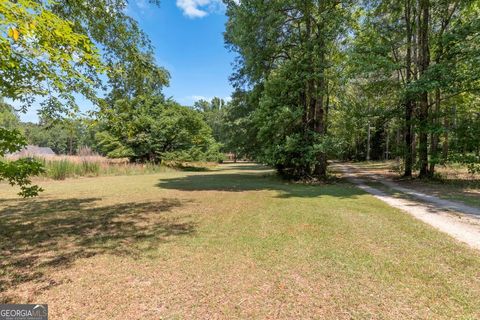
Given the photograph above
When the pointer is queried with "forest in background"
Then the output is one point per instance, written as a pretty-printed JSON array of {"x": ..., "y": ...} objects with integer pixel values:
[{"x": 376, "y": 79}]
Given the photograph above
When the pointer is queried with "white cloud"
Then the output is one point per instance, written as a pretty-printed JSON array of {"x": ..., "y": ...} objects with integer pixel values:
[{"x": 198, "y": 8}]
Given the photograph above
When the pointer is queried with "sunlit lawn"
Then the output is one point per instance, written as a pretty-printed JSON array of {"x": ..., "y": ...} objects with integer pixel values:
[{"x": 231, "y": 243}]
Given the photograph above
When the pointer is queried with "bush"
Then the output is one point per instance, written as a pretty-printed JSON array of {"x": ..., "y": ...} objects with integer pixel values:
[{"x": 473, "y": 168}]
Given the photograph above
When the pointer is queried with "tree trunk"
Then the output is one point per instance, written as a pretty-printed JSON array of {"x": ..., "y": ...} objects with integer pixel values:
[
  {"x": 398, "y": 144},
  {"x": 70, "y": 143},
  {"x": 320, "y": 170},
  {"x": 321, "y": 93},
  {"x": 368, "y": 140},
  {"x": 445, "y": 145},
  {"x": 414, "y": 146},
  {"x": 310, "y": 96},
  {"x": 408, "y": 100},
  {"x": 409, "y": 140},
  {"x": 424, "y": 60},
  {"x": 387, "y": 144},
  {"x": 434, "y": 135}
]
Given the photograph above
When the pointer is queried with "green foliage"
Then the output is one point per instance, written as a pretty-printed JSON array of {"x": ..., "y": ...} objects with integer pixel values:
[
  {"x": 473, "y": 168},
  {"x": 213, "y": 113},
  {"x": 126, "y": 50},
  {"x": 64, "y": 136},
  {"x": 62, "y": 169},
  {"x": 112, "y": 147},
  {"x": 289, "y": 55},
  {"x": 42, "y": 56},
  {"x": 90, "y": 168},
  {"x": 48, "y": 51},
  {"x": 354, "y": 80},
  {"x": 8, "y": 117},
  {"x": 17, "y": 172},
  {"x": 239, "y": 134},
  {"x": 72, "y": 167},
  {"x": 314, "y": 79},
  {"x": 472, "y": 161},
  {"x": 151, "y": 129}
]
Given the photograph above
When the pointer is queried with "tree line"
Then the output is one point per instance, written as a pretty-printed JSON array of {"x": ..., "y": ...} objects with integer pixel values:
[
  {"x": 151, "y": 132},
  {"x": 53, "y": 51},
  {"x": 356, "y": 80},
  {"x": 314, "y": 80}
]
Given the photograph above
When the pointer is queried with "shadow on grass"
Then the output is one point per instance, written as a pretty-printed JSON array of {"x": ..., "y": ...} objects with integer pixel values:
[
  {"x": 193, "y": 169},
  {"x": 38, "y": 233},
  {"x": 257, "y": 181},
  {"x": 245, "y": 166},
  {"x": 463, "y": 184}
]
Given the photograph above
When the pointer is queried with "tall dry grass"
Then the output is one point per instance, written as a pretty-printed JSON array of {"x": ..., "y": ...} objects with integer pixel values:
[{"x": 60, "y": 167}]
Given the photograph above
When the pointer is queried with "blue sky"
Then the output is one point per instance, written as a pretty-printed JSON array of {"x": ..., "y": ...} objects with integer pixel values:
[{"x": 188, "y": 40}]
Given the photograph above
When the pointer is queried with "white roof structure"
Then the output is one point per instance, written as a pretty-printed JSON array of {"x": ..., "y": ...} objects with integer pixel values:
[{"x": 31, "y": 150}]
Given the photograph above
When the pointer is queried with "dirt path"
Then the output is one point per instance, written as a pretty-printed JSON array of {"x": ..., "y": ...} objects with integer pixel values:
[{"x": 458, "y": 220}]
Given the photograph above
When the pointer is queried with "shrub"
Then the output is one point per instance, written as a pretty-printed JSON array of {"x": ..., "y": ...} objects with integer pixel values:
[{"x": 473, "y": 168}]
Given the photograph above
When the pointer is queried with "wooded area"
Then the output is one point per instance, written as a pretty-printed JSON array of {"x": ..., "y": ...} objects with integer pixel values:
[
  {"x": 313, "y": 81},
  {"x": 357, "y": 80}
]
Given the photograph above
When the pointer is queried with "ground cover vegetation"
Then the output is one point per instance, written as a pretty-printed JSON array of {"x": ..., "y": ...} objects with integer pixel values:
[{"x": 269, "y": 248}]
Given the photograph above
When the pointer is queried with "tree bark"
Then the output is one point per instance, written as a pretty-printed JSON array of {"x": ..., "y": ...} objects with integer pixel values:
[
  {"x": 320, "y": 170},
  {"x": 445, "y": 145},
  {"x": 424, "y": 60},
  {"x": 398, "y": 144},
  {"x": 387, "y": 144},
  {"x": 408, "y": 100},
  {"x": 414, "y": 146},
  {"x": 434, "y": 135},
  {"x": 321, "y": 92}
]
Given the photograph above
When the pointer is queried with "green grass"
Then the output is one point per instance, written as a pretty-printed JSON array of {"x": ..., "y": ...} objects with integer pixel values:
[{"x": 232, "y": 243}]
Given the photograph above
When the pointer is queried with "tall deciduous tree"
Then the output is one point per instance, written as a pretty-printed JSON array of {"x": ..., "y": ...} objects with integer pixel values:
[
  {"x": 286, "y": 54},
  {"x": 41, "y": 55}
]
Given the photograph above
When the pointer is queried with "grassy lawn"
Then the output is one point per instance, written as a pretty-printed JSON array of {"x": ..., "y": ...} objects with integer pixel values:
[{"x": 232, "y": 243}]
